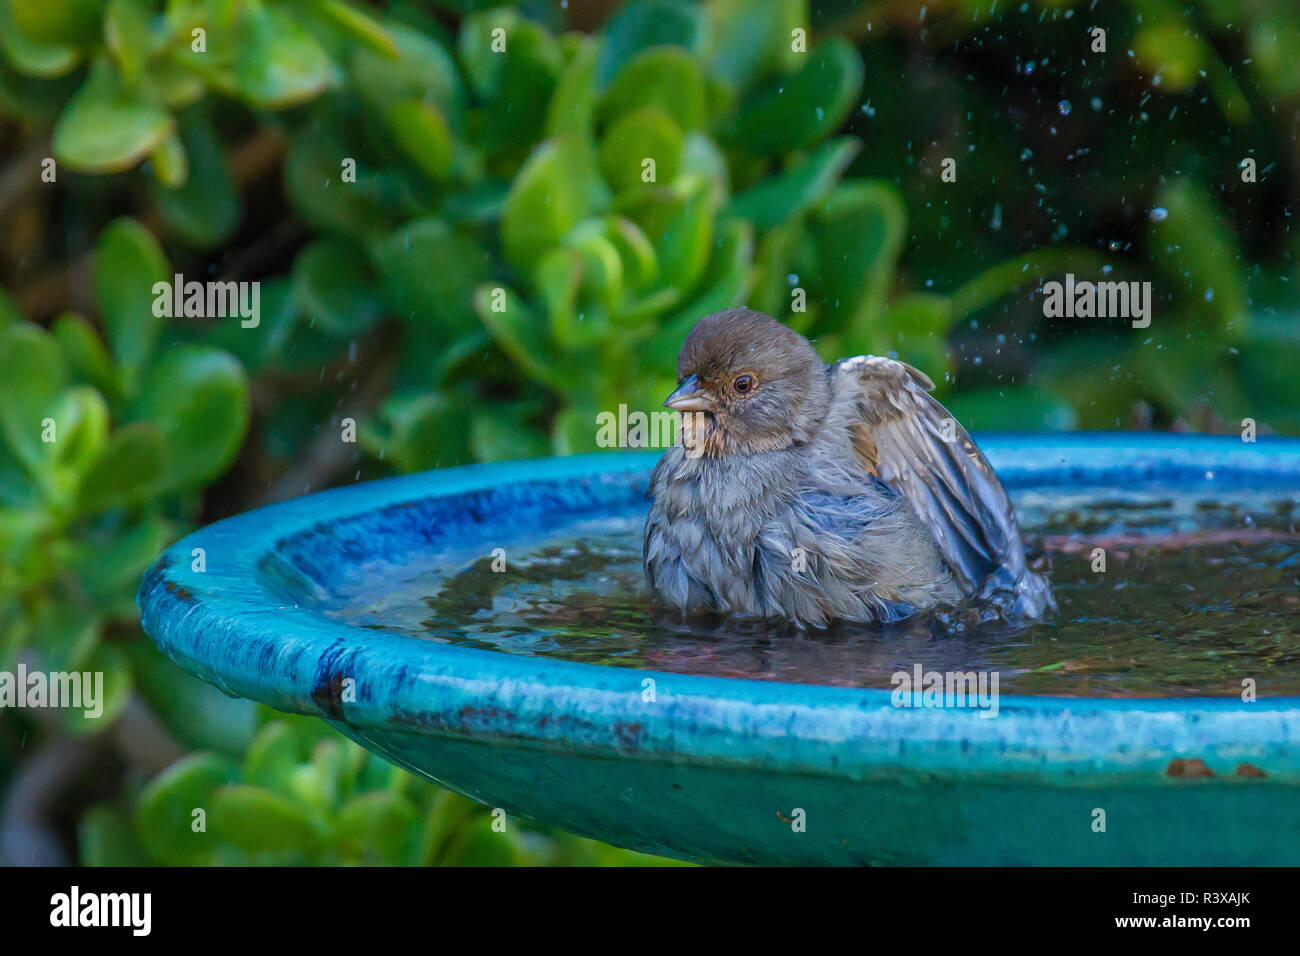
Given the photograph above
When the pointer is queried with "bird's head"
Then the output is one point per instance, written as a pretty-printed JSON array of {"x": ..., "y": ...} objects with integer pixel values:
[{"x": 747, "y": 384}]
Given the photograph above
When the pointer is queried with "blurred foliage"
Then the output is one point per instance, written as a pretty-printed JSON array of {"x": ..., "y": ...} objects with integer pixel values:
[
  {"x": 303, "y": 795},
  {"x": 107, "y": 445},
  {"x": 500, "y": 269}
]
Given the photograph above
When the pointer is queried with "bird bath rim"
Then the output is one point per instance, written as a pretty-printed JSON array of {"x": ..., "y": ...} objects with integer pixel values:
[{"x": 230, "y": 626}]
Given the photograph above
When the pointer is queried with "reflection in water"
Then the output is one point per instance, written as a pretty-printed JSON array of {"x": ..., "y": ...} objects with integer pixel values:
[{"x": 1198, "y": 594}]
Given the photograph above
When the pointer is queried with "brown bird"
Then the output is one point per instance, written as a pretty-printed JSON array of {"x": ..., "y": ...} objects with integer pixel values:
[{"x": 817, "y": 493}]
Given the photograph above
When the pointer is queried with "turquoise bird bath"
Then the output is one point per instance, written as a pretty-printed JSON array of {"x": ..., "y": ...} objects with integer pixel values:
[{"x": 730, "y": 768}]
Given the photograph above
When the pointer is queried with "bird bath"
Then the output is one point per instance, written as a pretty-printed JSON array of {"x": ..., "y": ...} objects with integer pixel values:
[{"x": 787, "y": 769}]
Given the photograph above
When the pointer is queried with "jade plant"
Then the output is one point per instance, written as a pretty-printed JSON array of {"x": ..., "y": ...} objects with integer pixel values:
[
  {"x": 107, "y": 442},
  {"x": 586, "y": 199}
]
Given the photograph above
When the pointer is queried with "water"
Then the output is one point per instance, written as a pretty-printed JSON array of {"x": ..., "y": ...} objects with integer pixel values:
[{"x": 1200, "y": 593}]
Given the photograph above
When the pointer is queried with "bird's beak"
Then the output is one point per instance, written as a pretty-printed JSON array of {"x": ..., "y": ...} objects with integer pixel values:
[{"x": 690, "y": 397}]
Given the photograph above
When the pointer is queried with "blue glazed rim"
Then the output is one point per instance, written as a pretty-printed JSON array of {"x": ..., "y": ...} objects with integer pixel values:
[{"x": 230, "y": 626}]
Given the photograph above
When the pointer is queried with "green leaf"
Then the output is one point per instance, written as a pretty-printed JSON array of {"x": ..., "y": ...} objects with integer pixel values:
[
  {"x": 636, "y": 137},
  {"x": 523, "y": 336},
  {"x": 1273, "y": 42},
  {"x": 441, "y": 299},
  {"x": 108, "y": 663},
  {"x": 128, "y": 35},
  {"x": 682, "y": 230},
  {"x": 449, "y": 814},
  {"x": 164, "y": 815},
  {"x": 127, "y": 472},
  {"x": 792, "y": 112},
  {"x": 478, "y": 46},
  {"x": 425, "y": 431},
  {"x": 1174, "y": 53},
  {"x": 1182, "y": 367},
  {"x": 313, "y": 178},
  {"x": 65, "y": 634},
  {"x": 172, "y": 80},
  {"x": 916, "y": 327},
  {"x": 279, "y": 63},
  {"x": 258, "y": 820},
  {"x": 501, "y": 433},
  {"x": 170, "y": 164},
  {"x": 375, "y": 826},
  {"x": 32, "y": 377},
  {"x": 205, "y": 209},
  {"x": 602, "y": 266},
  {"x": 665, "y": 78},
  {"x": 574, "y": 430},
  {"x": 518, "y": 82},
  {"x": 1196, "y": 248},
  {"x": 1093, "y": 374},
  {"x": 423, "y": 71},
  {"x": 82, "y": 418},
  {"x": 109, "y": 565},
  {"x": 84, "y": 352},
  {"x": 279, "y": 340},
  {"x": 640, "y": 262},
  {"x": 725, "y": 285},
  {"x": 551, "y": 194},
  {"x": 702, "y": 157},
  {"x": 805, "y": 182},
  {"x": 335, "y": 288},
  {"x": 642, "y": 24},
  {"x": 108, "y": 127},
  {"x": 57, "y": 21},
  {"x": 749, "y": 35},
  {"x": 421, "y": 132},
  {"x": 32, "y": 57},
  {"x": 1015, "y": 273},
  {"x": 558, "y": 278},
  {"x": 198, "y": 396},
  {"x": 128, "y": 265},
  {"x": 572, "y": 108},
  {"x": 272, "y": 757},
  {"x": 357, "y": 25},
  {"x": 105, "y": 838},
  {"x": 859, "y": 232}
]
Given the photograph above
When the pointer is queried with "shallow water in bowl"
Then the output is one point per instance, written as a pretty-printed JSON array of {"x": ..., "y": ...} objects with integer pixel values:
[{"x": 1201, "y": 591}]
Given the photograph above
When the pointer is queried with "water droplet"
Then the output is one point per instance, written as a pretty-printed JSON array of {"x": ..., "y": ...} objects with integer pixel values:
[
  {"x": 1159, "y": 214},
  {"x": 1064, "y": 107}
]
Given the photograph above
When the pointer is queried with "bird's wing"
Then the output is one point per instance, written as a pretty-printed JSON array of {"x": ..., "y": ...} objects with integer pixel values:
[{"x": 900, "y": 433}]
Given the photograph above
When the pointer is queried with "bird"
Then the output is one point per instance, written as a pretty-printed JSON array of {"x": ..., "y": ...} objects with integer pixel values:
[{"x": 815, "y": 493}]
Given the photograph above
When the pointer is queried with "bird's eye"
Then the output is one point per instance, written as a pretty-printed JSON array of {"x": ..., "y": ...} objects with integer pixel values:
[{"x": 743, "y": 384}]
